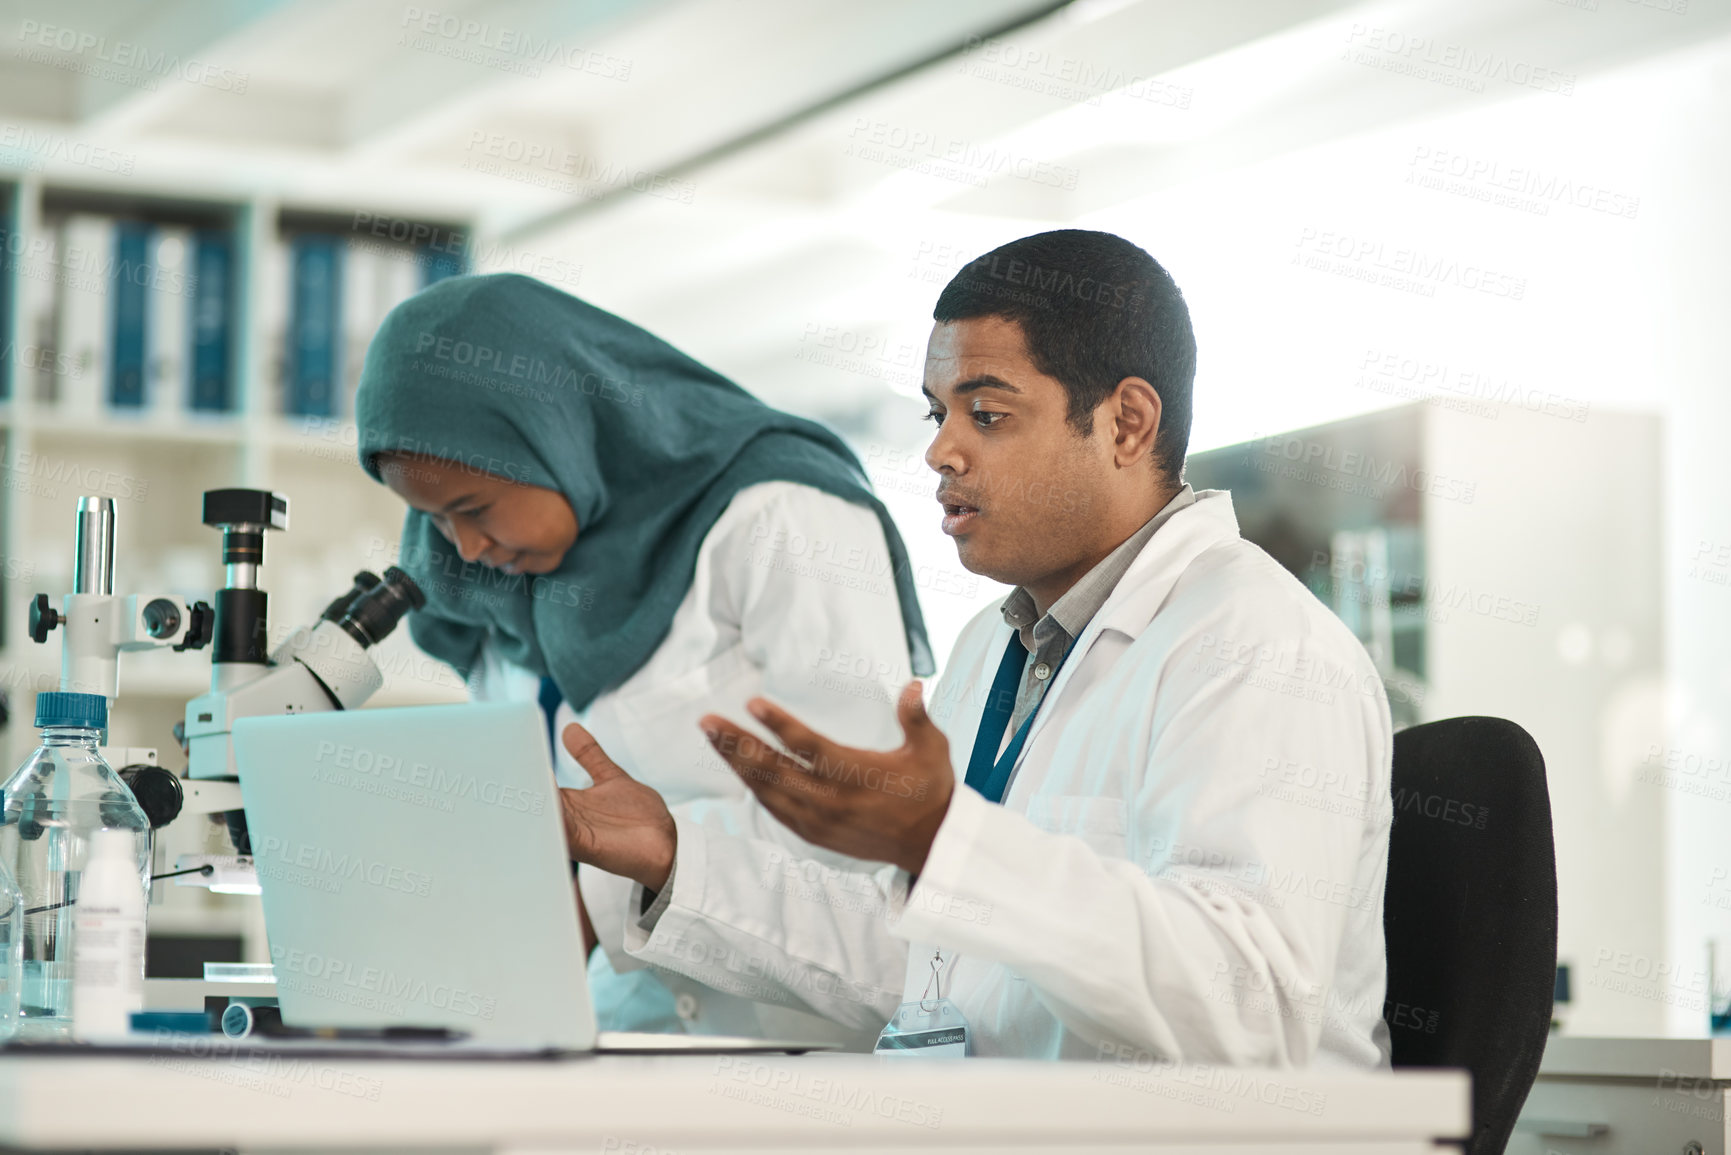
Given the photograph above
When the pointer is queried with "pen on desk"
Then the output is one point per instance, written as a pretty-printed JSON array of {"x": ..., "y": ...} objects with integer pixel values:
[{"x": 241, "y": 1021}]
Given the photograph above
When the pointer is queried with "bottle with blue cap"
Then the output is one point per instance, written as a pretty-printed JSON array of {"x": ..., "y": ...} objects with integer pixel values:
[{"x": 54, "y": 806}]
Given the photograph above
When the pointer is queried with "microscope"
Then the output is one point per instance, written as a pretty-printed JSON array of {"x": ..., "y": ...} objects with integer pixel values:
[
  {"x": 97, "y": 626},
  {"x": 324, "y": 666}
]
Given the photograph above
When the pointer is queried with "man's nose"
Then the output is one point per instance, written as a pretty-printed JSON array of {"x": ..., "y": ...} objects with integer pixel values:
[{"x": 943, "y": 453}]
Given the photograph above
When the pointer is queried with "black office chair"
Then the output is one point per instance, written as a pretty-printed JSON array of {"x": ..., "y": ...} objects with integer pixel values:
[{"x": 1470, "y": 915}]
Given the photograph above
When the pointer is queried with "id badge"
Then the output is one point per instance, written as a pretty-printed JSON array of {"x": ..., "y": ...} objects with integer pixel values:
[{"x": 925, "y": 1029}]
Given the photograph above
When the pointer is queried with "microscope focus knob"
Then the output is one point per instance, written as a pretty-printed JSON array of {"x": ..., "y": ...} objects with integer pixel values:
[
  {"x": 157, "y": 790},
  {"x": 161, "y": 618},
  {"x": 43, "y": 617}
]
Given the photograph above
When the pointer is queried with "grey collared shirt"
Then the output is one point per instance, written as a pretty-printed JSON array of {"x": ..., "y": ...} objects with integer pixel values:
[{"x": 1050, "y": 638}]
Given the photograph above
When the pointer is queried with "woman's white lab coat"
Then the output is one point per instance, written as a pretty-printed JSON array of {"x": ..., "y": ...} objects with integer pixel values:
[
  {"x": 1188, "y": 865},
  {"x": 793, "y": 597}
]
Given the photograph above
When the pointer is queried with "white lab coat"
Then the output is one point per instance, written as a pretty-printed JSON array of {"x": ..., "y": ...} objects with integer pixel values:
[
  {"x": 793, "y": 596},
  {"x": 1188, "y": 866}
]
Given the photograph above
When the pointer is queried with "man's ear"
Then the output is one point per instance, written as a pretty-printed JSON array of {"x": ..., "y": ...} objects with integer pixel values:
[{"x": 1134, "y": 410}]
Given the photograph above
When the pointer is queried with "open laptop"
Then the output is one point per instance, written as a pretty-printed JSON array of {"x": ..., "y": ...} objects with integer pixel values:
[{"x": 415, "y": 874}]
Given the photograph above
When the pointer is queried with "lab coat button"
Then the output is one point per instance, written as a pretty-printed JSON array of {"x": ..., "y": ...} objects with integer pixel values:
[
  {"x": 686, "y": 1006},
  {"x": 1042, "y": 671}
]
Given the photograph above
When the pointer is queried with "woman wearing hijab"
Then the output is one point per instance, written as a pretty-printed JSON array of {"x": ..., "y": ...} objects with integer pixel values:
[{"x": 601, "y": 522}]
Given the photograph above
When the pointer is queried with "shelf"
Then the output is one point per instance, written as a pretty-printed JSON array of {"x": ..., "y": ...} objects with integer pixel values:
[{"x": 173, "y": 429}]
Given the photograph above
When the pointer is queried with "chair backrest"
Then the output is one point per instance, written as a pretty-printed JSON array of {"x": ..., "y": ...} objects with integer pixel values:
[{"x": 1470, "y": 914}]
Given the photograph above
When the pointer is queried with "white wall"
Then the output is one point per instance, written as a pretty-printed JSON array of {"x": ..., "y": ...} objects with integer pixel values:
[{"x": 1616, "y": 313}]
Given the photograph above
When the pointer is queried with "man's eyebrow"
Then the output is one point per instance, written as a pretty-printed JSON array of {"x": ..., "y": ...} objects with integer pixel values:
[{"x": 973, "y": 384}]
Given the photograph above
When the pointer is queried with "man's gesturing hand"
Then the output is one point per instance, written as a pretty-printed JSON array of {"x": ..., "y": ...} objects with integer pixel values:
[
  {"x": 618, "y": 824},
  {"x": 882, "y": 805}
]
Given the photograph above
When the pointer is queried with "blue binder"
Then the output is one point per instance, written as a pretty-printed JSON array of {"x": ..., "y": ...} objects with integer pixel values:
[
  {"x": 315, "y": 324},
  {"x": 212, "y": 320},
  {"x": 130, "y": 292}
]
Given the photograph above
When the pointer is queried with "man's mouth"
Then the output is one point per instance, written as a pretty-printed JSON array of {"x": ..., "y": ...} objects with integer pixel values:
[{"x": 958, "y": 517}]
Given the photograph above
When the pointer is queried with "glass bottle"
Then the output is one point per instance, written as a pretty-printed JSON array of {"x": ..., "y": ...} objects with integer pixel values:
[
  {"x": 11, "y": 952},
  {"x": 54, "y": 803}
]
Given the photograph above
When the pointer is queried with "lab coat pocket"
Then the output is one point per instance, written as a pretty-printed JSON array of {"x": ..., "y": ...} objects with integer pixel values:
[
  {"x": 659, "y": 720},
  {"x": 1102, "y": 823}
]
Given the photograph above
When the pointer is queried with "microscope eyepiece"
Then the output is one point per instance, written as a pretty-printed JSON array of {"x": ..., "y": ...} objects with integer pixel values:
[
  {"x": 375, "y": 612},
  {"x": 364, "y": 581}
]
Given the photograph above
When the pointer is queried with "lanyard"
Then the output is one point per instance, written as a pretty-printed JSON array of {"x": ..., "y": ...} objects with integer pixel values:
[{"x": 991, "y": 777}]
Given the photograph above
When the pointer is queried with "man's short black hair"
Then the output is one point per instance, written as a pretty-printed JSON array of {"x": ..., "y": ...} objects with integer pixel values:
[{"x": 1094, "y": 309}]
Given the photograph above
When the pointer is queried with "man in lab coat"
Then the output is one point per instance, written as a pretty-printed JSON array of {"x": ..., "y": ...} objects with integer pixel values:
[{"x": 1145, "y": 816}]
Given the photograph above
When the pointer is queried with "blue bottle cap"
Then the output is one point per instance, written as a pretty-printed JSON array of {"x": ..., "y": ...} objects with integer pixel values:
[{"x": 64, "y": 708}]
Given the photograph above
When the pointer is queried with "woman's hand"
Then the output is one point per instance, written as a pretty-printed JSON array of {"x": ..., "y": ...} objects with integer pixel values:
[{"x": 618, "y": 825}]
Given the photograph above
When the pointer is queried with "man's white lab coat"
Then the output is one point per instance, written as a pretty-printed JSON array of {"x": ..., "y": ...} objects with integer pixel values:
[{"x": 1188, "y": 865}]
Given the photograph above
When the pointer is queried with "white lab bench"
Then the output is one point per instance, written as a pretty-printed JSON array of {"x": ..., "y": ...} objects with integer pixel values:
[
  {"x": 659, "y": 1105},
  {"x": 1628, "y": 1096}
]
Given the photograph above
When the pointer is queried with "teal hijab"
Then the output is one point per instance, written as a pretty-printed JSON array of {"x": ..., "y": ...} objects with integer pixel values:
[{"x": 505, "y": 375}]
